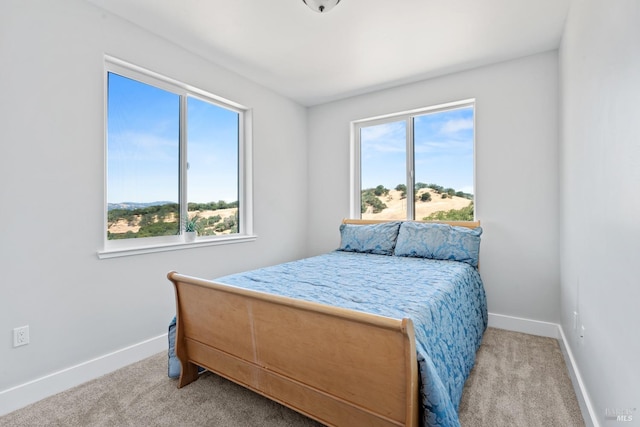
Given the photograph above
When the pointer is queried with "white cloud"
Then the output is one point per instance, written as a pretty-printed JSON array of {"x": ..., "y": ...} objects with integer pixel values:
[
  {"x": 384, "y": 138},
  {"x": 456, "y": 125},
  {"x": 448, "y": 147},
  {"x": 131, "y": 145}
]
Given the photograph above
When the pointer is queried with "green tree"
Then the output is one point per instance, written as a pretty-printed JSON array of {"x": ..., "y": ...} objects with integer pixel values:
[
  {"x": 420, "y": 185},
  {"x": 229, "y": 223},
  {"x": 380, "y": 190},
  {"x": 464, "y": 214},
  {"x": 158, "y": 229},
  {"x": 213, "y": 219},
  {"x": 368, "y": 198}
]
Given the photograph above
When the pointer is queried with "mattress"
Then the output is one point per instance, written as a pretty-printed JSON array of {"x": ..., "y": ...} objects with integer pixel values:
[{"x": 444, "y": 299}]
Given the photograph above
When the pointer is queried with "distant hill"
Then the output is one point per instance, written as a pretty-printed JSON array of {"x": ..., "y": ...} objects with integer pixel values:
[
  {"x": 131, "y": 219},
  {"x": 396, "y": 205},
  {"x": 133, "y": 205}
]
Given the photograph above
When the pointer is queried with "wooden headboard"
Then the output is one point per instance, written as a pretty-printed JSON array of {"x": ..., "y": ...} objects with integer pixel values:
[{"x": 468, "y": 224}]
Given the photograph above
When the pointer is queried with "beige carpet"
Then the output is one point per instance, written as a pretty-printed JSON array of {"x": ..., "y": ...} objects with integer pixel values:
[{"x": 518, "y": 380}]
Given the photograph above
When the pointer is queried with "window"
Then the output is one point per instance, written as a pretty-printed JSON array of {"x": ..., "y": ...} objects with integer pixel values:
[
  {"x": 174, "y": 155},
  {"x": 415, "y": 165}
]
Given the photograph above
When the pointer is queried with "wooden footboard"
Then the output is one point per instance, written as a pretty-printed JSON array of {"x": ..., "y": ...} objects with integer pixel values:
[{"x": 340, "y": 367}]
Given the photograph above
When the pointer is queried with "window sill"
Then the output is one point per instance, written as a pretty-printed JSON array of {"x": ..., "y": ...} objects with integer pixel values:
[{"x": 148, "y": 249}]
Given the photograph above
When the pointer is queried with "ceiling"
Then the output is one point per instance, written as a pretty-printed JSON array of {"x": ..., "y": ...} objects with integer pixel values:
[{"x": 358, "y": 47}]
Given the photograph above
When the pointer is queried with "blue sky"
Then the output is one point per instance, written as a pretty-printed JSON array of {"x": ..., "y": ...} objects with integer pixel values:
[
  {"x": 443, "y": 151},
  {"x": 143, "y": 146},
  {"x": 213, "y": 152}
]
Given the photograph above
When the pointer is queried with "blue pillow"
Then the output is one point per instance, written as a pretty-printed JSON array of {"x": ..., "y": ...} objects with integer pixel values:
[
  {"x": 372, "y": 238},
  {"x": 439, "y": 241}
]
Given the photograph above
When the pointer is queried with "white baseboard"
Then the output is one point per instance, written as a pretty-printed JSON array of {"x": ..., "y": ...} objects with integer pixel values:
[
  {"x": 588, "y": 413},
  {"x": 526, "y": 326},
  {"x": 552, "y": 330},
  {"x": 24, "y": 394}
]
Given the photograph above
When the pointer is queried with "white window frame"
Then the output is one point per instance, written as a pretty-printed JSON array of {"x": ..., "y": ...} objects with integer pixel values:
[
  {"x": 407, "y": 116},
  {"x": 126, "y": 247}
]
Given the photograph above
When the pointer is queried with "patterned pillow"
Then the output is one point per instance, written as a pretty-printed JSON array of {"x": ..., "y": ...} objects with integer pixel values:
[
  {"x": 439, "y": 241},
  {"x": 374, "y": 239}
]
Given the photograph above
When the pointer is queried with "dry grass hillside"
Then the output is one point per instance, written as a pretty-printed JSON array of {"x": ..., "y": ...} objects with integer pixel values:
[
  {"x": 123, "y": 225},
  {"x": 397, "y": 206},
  {"x": 213, "y": 221}
]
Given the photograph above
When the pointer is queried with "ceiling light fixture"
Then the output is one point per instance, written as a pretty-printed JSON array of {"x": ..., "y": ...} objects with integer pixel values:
[{"x": 321, "y": 5}]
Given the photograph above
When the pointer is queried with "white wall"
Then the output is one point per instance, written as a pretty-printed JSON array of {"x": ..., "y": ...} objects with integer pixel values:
[
  {"x": 516, "y": 173},
  {"x": 51, "y": 173},
  {"x": 600, "y": 163}
]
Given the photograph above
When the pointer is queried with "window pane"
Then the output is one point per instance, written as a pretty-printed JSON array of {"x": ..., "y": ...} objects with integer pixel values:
[
  {"x": 142, "y": 159},
  {"x": 383, "y": 165},
  {"x": 213, "y": 141},
  {"x": 443, "y": 161}
]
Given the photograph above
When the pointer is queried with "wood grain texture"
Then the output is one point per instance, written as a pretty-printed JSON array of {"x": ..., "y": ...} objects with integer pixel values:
[
  {"x": 341, "y": 367},
  {"x": 467, "y": 224}
]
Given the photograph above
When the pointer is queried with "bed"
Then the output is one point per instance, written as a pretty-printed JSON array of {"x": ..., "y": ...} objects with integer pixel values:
[{"x": 381, "y": 332}]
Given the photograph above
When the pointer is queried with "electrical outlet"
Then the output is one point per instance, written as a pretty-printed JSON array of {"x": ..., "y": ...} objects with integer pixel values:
[{"x": 21, "y": 336}]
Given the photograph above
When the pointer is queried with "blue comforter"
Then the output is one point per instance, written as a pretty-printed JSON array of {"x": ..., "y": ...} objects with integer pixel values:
[{"x": 444, "y": 299}]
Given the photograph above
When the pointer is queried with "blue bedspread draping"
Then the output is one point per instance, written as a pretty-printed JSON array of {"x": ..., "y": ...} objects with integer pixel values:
[{"x": 444, "y": 299}]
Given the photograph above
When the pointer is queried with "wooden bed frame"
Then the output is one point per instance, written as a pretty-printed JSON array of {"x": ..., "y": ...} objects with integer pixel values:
[{"x": 340, "y": 367}]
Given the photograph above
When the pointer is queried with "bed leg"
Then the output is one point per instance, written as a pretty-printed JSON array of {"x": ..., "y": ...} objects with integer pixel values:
[{"x": 188, "y": 374}]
